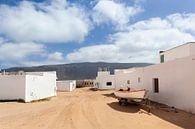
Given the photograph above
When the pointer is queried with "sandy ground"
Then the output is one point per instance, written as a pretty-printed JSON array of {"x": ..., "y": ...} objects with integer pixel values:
[{"x": 86, "y": 109}]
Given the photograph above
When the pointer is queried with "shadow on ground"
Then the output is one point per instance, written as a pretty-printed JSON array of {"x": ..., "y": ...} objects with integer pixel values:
[
  {"x": 130, "y": 108},
  {"x": 180, "y": 118},
  {"x": 93, "y": 89},
  {"x": 15, "y": 100},
  {"x": 109, "y": 95}
]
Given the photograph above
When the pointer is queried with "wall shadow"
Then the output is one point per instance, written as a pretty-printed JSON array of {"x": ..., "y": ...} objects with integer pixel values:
[
  {"x": 14, "y": 100},
  {"x": 180, "y": 118}
]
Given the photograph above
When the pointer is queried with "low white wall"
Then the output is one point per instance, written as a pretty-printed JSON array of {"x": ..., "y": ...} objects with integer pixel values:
[
  {"x": 40, "y": 86},
  {"x": 66, "y": 86},
  {"x": 12, "y": 87}
]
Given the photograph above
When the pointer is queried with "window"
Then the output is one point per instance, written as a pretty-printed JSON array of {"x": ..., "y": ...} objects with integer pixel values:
[
  {"x": 128, "y": 81},
  {"x": 156, "y": 85},
  {"x": 109, "y": 83},
  {"x": 139, "y": 80},
  {"x": 162, "y": 58}
]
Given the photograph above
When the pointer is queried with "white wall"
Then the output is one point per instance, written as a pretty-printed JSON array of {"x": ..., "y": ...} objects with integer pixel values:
[
  {"x": 122, "y": 76},
  {"x": 12, "y": 87},
  {"x": 40, "y": 86},
  {"x": 176, "y": 53},
  {"x": 176, "y": 82},
  {"x": 192, "y": 49},
  {"x": 102, "y": 78},
  {"x": 68, "y": 85}
]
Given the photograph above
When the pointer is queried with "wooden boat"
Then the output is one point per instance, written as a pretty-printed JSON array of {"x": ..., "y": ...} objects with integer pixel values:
[{"x": 130, "y": 95}]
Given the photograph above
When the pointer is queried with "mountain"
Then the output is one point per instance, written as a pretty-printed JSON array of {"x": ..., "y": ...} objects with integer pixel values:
[{"x": 77, "y": 71}]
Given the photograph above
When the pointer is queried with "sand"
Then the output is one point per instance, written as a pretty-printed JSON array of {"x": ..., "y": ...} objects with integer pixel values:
[{"x": 86, "y": 109}]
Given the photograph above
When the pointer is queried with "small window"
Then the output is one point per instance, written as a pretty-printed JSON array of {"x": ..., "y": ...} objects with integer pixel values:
[
  {"x": 109, "y": 83},
  {"x": 156, "y": 85},
  {"x": 139, "y": 80},
  {"x": 128, "y": 81},
  {"x": 162, "y": 58}
]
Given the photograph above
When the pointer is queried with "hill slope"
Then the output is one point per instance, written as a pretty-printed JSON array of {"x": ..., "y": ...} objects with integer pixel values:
[{"x": 76, "y": 71}]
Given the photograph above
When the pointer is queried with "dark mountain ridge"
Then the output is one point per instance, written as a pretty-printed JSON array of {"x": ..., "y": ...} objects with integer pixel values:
[{"x": 77, "y": 71}]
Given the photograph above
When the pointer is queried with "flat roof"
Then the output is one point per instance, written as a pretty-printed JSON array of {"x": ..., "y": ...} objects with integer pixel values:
[{"x": 178, "y": 46}]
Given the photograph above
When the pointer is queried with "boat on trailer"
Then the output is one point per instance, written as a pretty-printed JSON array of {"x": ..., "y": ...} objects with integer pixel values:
[{"x": 125, "y": 96}]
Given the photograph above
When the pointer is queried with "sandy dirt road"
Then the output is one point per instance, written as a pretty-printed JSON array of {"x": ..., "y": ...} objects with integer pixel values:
[{"x": 86, "y": 109}]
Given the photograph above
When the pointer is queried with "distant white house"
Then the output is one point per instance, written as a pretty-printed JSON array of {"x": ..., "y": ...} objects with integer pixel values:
[
  {"x": 66, "y": 85},
  {"x": 28, "y": 86},
  {"x": 171, "y": 82},
  {"x": 104, "y": 80}
]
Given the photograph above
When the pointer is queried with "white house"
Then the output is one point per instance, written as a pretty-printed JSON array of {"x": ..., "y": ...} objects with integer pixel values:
[
  {"x": 66, "y": 85},
  {"x": 28, "y": 86},
  {"x": 171, "y": 82},
  {"x": 104, "y": 80}
]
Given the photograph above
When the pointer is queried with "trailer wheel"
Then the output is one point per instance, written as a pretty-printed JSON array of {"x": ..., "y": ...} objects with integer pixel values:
[
  {"x": 120, "y": 103},
  {"x": 125, "y": 102}
]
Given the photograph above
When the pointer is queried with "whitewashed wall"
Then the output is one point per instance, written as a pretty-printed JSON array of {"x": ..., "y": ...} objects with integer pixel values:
[
  {"x": 31, "y": 86},
  {"x": 40, "y": 85},
  {"x": 12, "y": 87},
  {"x": 102, "y": 78},
  {"x": 68, "y": 85},
  {"x": 176, "y": 82},
  {"x": 178, "y": 52},
  {"x": 192, "y": 49},
  {"x": 134, "y": 75}
]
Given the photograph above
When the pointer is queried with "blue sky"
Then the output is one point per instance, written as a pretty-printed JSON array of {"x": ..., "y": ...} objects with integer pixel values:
[{"x": 43, "y": 32}]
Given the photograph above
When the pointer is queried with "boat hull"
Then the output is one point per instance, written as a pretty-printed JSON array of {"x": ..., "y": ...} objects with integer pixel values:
[{"x": 131, "y": 95}]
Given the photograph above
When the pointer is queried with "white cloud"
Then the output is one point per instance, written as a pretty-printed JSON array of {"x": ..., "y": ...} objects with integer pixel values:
[
  {"x": 119, "y": 14},
  {"x": 94, "y": 53},
  {"x": 141, "y": 42},
  {"x": 1, "y": 40},
  {"x": 14, "y": 54},
  {"x": 19, "y": 51},
  {"x": 57, "y": 21},
  {"x": 185, "y": 22},
  {"x": 56, "y": 56}
]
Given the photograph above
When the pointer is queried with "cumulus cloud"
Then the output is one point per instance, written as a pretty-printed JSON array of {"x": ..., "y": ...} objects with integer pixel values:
[
  {"x": 183, "y": 22},
  {"x": 56, "y": 56},
  {"x": 55, "y": 21},
  {"x": 119, "y": 14},
  {"x": 94, "y": 53},
  {"x": 141, "y": 42},
  {"x": 14, "y": 54},
  {"x": 19, "y": 51}
]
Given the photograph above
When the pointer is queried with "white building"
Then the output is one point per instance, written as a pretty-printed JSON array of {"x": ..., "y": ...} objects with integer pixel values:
[
  {"x": 178, "y": 52},
  {"x": 66, "y": 85},
  {"x": 104, "y": 80},
  {"x": 28, "y": 86},
  {"x": 171, "y": 82}
]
